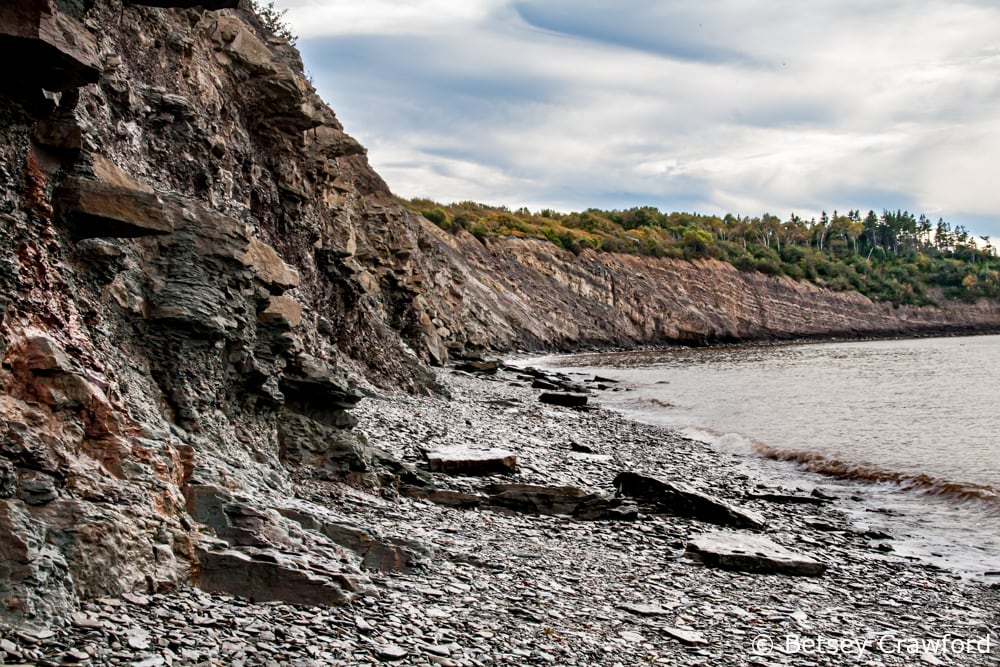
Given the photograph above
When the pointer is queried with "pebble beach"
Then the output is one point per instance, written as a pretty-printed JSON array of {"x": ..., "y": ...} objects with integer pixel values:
[{"x": 497, "y": 586}]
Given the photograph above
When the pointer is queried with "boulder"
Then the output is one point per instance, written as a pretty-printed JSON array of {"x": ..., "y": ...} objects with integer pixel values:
[
  {"x": 306, "y": 441},
  {"x": 465, "y": 461},
  {"x": 680, "y": 500},
  {"x": 376, "y": 552},
  {"x": 310, "y": 381},
  {"x": 537, "y": 499},
  {"x": 544, "y": 385},
  {"x": 564, "y": 399},
  {"x": 266, "y": 575},
  {"x": 751, "y": 553}
]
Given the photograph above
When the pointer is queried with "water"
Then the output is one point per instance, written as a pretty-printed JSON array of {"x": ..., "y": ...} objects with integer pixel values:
[{"x": 911, "y": 425}]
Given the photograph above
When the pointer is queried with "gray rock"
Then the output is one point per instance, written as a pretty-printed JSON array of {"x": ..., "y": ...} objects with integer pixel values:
[
  {"x": 97, "y": 209},
  {"x": 788, "y": 499},
  {"x": 392, "y": 652},
  {"x": 680, "y": 500},
  {"x": 689, "y": 637},
  {"x": 263, "y": 576},
  {"x": 750, "y": 553},
  {"x": 564, "y": 399}
]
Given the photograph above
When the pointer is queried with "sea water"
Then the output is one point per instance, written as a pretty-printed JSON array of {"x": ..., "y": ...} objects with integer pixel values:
[{"x": 910, "y": 426}]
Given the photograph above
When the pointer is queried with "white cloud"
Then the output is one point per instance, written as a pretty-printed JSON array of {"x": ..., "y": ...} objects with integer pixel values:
[
  {"x": 386, "y": 17},
  {"x": 726, "y": 106}
]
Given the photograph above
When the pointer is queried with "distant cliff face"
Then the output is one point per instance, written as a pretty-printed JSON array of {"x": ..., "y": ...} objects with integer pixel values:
[
  {"x": 196, "y": 267},
  {"x": 525, "y": 292}
]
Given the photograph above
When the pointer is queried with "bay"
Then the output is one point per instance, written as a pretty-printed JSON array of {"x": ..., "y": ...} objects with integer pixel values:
[{"x": 911, "y": 425}]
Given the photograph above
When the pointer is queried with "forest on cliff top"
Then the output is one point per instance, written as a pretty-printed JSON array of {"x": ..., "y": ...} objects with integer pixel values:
[{"x": 895, "y": 256}]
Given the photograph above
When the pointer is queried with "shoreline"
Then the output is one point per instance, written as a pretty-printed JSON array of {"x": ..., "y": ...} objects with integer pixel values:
[
  {"x": 490, "y": 587},
  {"x": 958, "y": 332},
  {"x": 904, "y": 498}
]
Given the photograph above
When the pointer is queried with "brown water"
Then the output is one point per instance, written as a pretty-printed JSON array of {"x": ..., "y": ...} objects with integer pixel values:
[{"x": 915, "y": 423}]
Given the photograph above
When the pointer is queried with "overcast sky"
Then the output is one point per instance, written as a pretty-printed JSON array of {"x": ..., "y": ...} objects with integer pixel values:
[{"x": 713, "y": 106}]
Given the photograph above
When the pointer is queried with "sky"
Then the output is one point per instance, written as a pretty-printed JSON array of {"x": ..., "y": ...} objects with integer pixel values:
[{"x": 715, "y": 106}]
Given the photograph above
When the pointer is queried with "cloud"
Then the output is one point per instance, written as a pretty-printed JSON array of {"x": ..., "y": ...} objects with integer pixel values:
[{"x": 732, "y": 105}]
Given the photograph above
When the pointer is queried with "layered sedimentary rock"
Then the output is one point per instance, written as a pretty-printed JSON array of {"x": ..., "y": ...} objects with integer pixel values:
[{"x": 198, "y": 269}]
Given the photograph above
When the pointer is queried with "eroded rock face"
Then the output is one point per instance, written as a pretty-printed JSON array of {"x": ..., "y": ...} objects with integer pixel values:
[{"x": 161, "y": 376}]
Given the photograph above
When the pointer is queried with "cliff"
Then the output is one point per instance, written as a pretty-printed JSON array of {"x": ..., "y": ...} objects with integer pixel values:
[{"x": 200, "y": 273}]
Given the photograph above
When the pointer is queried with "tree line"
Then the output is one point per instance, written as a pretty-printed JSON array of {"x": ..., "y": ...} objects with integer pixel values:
[{"x": 894, "y": 256}]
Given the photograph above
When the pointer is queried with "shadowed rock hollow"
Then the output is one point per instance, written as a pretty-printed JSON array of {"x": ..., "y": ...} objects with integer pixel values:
[{"x": 199, "y": 269}]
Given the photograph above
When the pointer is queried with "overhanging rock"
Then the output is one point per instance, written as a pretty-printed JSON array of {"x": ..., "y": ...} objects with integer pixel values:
[
  {"x": 96, "y": 209},
  {"x": 45, "y": 48}
]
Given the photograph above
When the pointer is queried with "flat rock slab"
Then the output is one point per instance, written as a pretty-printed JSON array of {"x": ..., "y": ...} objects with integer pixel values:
[
  {"x": 680, "y": 500},
  {"x": 569, "y": 500},
  {"x": 645, "y": 609},
  {"x": 689, "y": 637},
  {"x": 484, "y": 367},
  {"x": 566, "y": 400},
  {"x": 751, "y": 553},
  {"x": 465, "y": 461}
]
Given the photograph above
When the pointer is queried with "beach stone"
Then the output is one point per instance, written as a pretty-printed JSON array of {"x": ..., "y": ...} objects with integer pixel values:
[
  {"x": 460, "y": 460},
  {"x": 750, "y": 553},
  {"x": 645, "y": 609},
  {"x": 263, "y": 576},
  {"x": 569, "y": 500},
  {"x": 482, "y": 367},
  {"x": 788, "y": 499},
  {"x": 680, "y": 500},
  {"x": 545, "y": 385},
  {"x": 566, "y": 400},
  {"x": 689, "y": 637},
  {"x": 392, "y": 652},
  {"x": 539, "y": 499}
]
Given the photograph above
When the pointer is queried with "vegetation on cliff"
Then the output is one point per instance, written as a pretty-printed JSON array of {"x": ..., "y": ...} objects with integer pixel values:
[{"x": 897, "y": 256}]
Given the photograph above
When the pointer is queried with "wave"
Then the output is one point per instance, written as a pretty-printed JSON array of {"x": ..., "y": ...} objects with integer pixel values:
[{"x": 919, "y": 482}]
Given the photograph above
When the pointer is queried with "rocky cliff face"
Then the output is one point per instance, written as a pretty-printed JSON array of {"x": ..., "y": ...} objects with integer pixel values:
[{"x": 198, "y": 268}]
